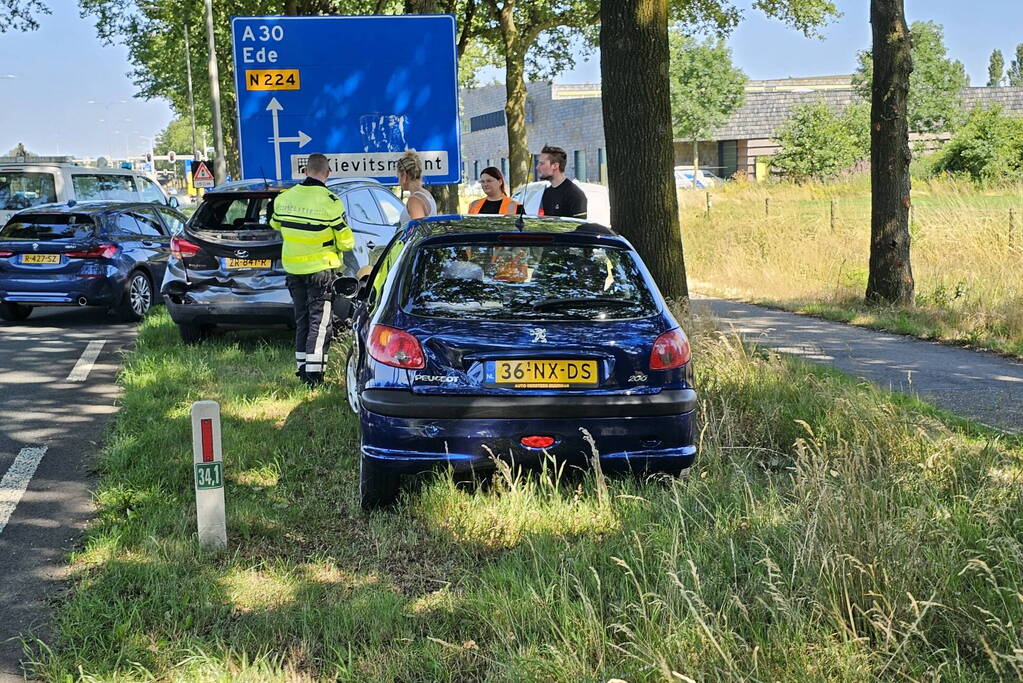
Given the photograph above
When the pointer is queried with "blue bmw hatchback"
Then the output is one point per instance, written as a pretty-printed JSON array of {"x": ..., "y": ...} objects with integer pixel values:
[
  {"x": 479, "y": 337},
  {"x": 107, "y": 254}
]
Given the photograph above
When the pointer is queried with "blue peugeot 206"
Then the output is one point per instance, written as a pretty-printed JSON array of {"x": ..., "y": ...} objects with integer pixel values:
[{"x": 481, "y": 337}]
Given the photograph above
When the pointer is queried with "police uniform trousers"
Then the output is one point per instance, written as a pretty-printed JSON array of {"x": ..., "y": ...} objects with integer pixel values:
[{"x": 313, "y": 296}]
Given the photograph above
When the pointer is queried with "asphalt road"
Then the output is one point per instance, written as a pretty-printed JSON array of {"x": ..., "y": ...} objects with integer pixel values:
[
  {"x": 57, "y": 390},
  {"x": 985, "y": 387}
]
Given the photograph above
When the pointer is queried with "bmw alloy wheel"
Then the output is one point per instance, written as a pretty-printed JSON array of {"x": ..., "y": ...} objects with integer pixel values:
[{"x": 140, "y": 294}]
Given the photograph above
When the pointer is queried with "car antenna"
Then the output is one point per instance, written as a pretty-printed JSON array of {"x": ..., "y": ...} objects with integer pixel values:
[
  {"x": 520, "y": 223},
  {"x": 266, "y": 183}
]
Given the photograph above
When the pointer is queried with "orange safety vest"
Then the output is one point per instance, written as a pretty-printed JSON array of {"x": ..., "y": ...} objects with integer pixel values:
[{"x": 509, "y": 206}]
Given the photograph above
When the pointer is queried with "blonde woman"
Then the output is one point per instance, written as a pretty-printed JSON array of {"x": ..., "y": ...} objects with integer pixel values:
[{"x": 420, "y": 203}]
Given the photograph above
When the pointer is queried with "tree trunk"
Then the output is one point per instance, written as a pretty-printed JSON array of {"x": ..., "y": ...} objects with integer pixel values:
[
  {"x": 638, "y": 135},
  {"x": 891, "y": 277},
  {"x": 515, "y": 45}
]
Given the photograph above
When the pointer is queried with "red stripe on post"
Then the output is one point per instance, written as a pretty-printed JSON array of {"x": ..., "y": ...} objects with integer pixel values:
[{"x": 206, "y": 427}]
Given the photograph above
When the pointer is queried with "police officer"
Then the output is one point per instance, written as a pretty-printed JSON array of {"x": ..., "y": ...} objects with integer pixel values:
[{"x": 311, "y": 219}]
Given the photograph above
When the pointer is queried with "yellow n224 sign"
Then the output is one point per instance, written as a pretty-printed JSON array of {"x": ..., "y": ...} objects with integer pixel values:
[{"x": 272, "y": 79}]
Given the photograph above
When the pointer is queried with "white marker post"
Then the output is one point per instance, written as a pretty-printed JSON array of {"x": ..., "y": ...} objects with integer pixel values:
[{"x": 208, "y": 467}]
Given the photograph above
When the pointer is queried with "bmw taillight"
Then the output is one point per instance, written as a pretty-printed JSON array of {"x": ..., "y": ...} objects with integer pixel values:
[
  {"x": 396, "y": 348},
  {"x": 99, "y": 251},
  {"x": 671, "y": 350},
  {"x": 181, "y": 248}
]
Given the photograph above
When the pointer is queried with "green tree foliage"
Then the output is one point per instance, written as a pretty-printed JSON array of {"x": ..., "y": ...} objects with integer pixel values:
[
  {"x": 177, "y": 136},
  {"x": 988, "y": 147},
  {"x": 995, "y": 69},
  {"x": 20, "y": 15},
  {"x": 935, "y": 86},
  {"x": 1015, "y": 74},
  {"x": 705, "y": 86},
  {"x": 818, "y": 144}
]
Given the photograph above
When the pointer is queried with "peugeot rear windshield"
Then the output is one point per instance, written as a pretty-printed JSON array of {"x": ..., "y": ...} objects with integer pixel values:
[
  {"x": 527, "y": 282},
  {"x": 46, "y": 227},
  {"x": 23, "y": 190}
]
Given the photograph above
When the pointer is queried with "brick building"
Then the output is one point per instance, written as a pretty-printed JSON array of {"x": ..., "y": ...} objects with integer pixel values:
[{"x": 566, "y": 116}]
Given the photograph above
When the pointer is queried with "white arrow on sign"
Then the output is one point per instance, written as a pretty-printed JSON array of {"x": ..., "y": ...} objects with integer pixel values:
[{"x": 276, "y": 140}]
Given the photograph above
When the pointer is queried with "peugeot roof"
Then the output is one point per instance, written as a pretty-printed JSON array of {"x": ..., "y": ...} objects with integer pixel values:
[{"x": 490, "y": 224}]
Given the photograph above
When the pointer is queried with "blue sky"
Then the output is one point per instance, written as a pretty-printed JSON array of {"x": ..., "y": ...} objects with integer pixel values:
[{"x": 49, "y": 77}]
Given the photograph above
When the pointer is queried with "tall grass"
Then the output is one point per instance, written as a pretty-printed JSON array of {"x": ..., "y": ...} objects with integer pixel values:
[
  {"x": 829, "y": 532},
  {"x": 775, "y": 243}
]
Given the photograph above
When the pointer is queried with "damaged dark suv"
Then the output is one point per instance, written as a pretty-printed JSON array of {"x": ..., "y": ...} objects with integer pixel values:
[{"x": 225, "y": 266}]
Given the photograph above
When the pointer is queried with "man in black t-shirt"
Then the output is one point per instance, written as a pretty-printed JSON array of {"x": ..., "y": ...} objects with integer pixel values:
[{"x": 563, "y": 197}]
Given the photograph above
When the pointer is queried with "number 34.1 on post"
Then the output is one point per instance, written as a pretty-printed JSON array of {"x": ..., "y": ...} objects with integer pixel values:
[{"x": 272, "y": 79}]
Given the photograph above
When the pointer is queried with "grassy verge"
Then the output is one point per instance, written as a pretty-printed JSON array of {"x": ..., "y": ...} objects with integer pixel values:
[
  {"x": 830, "y": 532},
  {"x": 806, "y": 248}
]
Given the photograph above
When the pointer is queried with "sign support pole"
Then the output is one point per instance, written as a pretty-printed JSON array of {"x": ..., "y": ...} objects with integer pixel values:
[{"x": 208, "y": 475}]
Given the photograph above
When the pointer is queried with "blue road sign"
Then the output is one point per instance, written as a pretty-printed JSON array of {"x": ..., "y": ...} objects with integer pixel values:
[{"x": 361, "y": 90}]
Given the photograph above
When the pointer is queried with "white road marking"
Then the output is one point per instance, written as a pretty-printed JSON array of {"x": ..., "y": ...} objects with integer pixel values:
[
  {"x": 14, "y": 483},
  {"x": 84, "y": 365}
]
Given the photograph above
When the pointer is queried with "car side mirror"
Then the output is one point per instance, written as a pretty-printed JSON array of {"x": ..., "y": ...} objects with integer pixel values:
[
  {"x": 347, "y": 287},
  {"x": 173, "y": 202}
]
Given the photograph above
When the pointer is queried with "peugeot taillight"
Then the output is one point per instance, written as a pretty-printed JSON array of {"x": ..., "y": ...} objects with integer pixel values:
[
  {"x": 396, "y": 348},
  {"x": 181, "y": 248},
  {"x": 671, "y": 350},
  {"x": 98, "y": 251},
  {"x": 6, "y": 253}
]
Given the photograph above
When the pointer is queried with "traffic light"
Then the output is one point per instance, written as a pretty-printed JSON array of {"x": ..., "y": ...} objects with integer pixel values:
[{"x": 149, "y": 157}]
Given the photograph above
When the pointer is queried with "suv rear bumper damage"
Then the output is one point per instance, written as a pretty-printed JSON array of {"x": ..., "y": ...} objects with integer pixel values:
[{"x": 214, "y": 304}]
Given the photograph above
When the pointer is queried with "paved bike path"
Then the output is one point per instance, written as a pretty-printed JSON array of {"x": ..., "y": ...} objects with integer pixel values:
[{"x": 979, "y": 385}]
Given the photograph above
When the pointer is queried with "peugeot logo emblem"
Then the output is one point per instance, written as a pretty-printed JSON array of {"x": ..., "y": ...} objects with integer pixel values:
[
  {"x": 35, "y": 246},
  {"x": 241, "y": 253}
]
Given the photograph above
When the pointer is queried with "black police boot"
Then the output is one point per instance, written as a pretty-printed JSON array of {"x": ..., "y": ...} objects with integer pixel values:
[{"x": 313, "y": 379}]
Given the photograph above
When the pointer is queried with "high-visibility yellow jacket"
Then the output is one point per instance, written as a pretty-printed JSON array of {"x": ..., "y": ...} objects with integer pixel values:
[{"x": 311, "y": 220}]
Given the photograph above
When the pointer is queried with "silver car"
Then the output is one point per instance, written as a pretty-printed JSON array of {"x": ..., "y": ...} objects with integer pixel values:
[{"x": 225, "y": 266}]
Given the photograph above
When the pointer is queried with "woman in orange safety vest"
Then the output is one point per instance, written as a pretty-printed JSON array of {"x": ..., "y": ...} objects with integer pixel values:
[{"x": 497, "y": 199}]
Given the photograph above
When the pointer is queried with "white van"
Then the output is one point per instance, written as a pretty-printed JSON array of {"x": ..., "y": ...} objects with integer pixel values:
[{"x": 30, "y": 183}]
